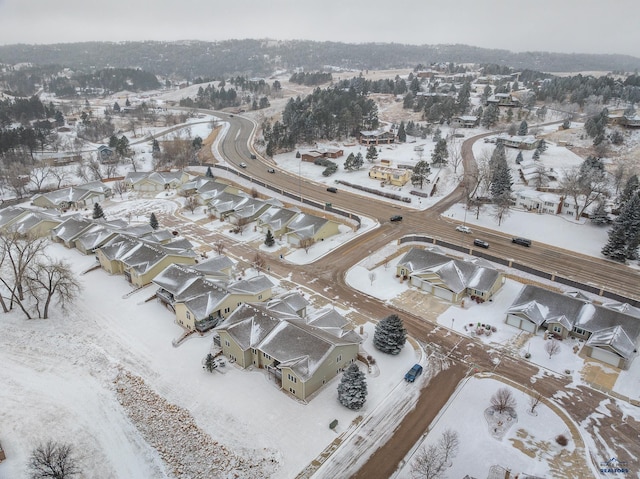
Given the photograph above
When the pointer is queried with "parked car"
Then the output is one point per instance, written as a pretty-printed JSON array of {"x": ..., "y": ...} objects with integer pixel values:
[
  {"x": 243, "y": 165},
  {"x": 331, "y": 189},
  {"x": 270, "y": 170},
  {"x": 253, "y": 157},
  {"x": 395, "y": 218},
  {"x": 463, "y": 229},
  {"x": 413, "y": 373},
  {"x": 521, "y": 241},
  {"x": 482, "y": 244}
]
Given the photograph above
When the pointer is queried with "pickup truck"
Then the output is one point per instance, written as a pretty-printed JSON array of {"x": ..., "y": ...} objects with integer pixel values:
[{"x": 413, "y": 373}]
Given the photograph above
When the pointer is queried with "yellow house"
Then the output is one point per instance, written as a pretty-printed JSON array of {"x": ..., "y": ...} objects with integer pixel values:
[
  {"x": 393, "y": 176},
  {"x": 297, "y": 355},
  {"x": 306, "y": 227}
]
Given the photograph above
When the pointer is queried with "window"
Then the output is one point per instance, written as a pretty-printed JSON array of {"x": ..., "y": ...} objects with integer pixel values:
[
  {"x": 557, "y": 329},
  {"x": 292, "y": 378},
  {"x": 188, "y": 315},
  {"x": 260, "y": 297},
  {"x": 578, "y": 331},
  {"x": 266, "y": 356},
  {"x": 226, "y": 310},
  {"x": 339, "y": 358},
  {"x": 254, "y": 351},
  {"x": 292, "y": 391},
  {"x": 227, "y": 343}
]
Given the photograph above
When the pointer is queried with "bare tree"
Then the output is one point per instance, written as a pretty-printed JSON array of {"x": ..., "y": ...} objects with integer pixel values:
[
  {"x": 219, "y": 247},
  {"x": 95, "y": 170},
  {"x": 449, "y": 444},
  {"x": 428, "y": 463},
  {"x": 503, "y": 399},
  {"x": 455, "y": 153},
  {"x": 191, "y": 203},
  {"x": 54, "y": 460},
  {"x": 583, "y": 189},
  {"x": 119, "y": 187},
  {"x": 534, "y": 400},
  {"x": 372, "y": 276},
  {"x": 306, "y": 244},
  {"x": 61, "y": 176},
  {"x": 258, "y": 262},
  {"x": 541, "y": 177},
  {"x": 502, "y": 207},
  {"x": 38, "y": 176},
  {"x": 552, "y": 347},
  {"x": 48, "y": 280}
]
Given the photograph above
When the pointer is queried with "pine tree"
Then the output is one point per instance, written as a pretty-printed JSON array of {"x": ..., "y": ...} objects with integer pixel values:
[
  {"x": 210, "y": 363},
  {"x": 440, "y": 153},
  {"x": 358, "y": 161},
  {"x": 402, "y": 134},
  {"x": 390, "y": 335},
  {"x": 501, "y": 180},
  {"x": 348, "y": 163},
  {"x": 269, "y": 241},
  {"x": 490, "y": 116},
  {"x": 523, "y": 129},
  {"x": 599, "y": 214},
  {"x": 352, "y": 390},
  {"x": 631, "y": 186},
  {"x": 615, "y": 248},
  {"x": 97, "y": 211},
  {"x": 519, "y": 158},
  {"x": 420, "y": 173},
  {"x": 372, "y": 154},
  {"x": 542, "y": 145},
  {"x": 153, "y": 221},
  {"x": 536, "y": 154},
  {"x": 624, "y": 235},
  {"x": 116, "y": 107},
  {"x": 209, "y": 173}
]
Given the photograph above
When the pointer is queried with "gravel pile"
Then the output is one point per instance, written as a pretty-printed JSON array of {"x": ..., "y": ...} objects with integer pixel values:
[{"x": 187, "y": 451}]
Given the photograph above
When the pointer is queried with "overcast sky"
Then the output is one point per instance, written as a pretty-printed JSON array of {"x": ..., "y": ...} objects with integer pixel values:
[{"x": 572, "y": 26}]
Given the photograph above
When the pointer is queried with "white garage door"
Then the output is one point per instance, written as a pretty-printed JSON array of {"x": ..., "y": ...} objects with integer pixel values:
[
  {"x": 605, "y": 356},
  {"x": 443, "y": 293},
  {"x": 415, "y": 281},
  {"x": 528, "y": 326},
  {"x": 513, "y": 321}
]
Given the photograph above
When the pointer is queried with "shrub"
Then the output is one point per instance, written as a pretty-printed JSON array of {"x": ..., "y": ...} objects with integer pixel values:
[{"x": 562, "y": 440}]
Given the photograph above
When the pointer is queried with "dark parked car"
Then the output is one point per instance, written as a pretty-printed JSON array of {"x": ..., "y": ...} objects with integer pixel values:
[
  {"x": 270, "y": 170},
  {"x": 482, "y": 244},
  {"x": 253, "y": 157},
  {"x": 395, "y": 218},
  {"x": 521, "y": 241},
  {"x": 413, "y": 373},
  {"x": 331, "y": 189}
]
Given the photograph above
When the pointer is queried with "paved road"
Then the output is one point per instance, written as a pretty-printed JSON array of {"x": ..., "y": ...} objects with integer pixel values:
[{"x": 614, "y": 434}]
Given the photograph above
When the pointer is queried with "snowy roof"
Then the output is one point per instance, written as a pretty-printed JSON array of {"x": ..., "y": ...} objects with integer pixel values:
[
  {"x": 213, "y": 266},
  {"x": 284, "y": 337},
  {"x": 456, "y": 274},
  {"x": 305, "y": 225},
  {"x": 71, "y": 228},
  {"x": 614, "y": 338},
  {"x": 253, "y": 285},
  {"x": 205, "y": 304},
  {"x": 276, "y": 218}
]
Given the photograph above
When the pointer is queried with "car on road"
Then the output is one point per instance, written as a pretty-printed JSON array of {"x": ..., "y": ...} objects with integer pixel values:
[
  {"x": 243, "y": 165},
  {"x": 395, "y": 218},
  {"x": 270, "y": 170},
  {"x": 463, "y": 229},
  {"x": 413, "y": 373},
  {"x": 521, "y": 241},
  {"x": 253, "y": 157},
  {"x": 331, "y": 189},
  {"x": 481, "y": 243}
]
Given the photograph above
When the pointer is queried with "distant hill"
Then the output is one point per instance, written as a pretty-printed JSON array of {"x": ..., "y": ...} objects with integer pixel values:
[{"x": 191, "y": 59}]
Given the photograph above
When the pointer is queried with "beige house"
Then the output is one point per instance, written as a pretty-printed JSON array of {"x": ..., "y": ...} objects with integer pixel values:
[
  {"x": 73, "y": 197},
  {"x": 309, "y": 228},
  {"x": 377, "y": 137},
  {"x": 138, "y": 261},
  {"x": 26, "y": 222},
  {"x": 392, "y": 176},
  {"x": 611, "y": 332},
  {"x": 298, "y": 356},
  {"x": 527, "y": 142},
  {"x": 70, "y": 230},
  {"x": 155, "y": 181},
  {"x": 276, "y": 219},
  {"x": 448, "y": 278}
]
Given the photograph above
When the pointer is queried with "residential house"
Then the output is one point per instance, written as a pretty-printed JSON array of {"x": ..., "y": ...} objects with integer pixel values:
[
  {"x": 377, "y": 137},
  {"x": 35, "y": 224},
  {"x": 448, "y": 278},
  {"x": 392, "y": 176},
  {"x": 503, "y": 99},
  {"x": 527, "y": 142},
  {"x": 630, "y": 121},
  {"x": 309, "y": 229},
  {"x": 276, "y": 219},
  {"x": 106, "y": 154},
  {"x": 248, "y": 211},
  {"x": 539, "y": 202},
  {"x": 289, "y": 303},
  {"x": 313, "y": 154},
  {"x": 468, "y": 121},
  {"x": 70, "y": 230},
  {"x": 222, "y": 205},
  {"x": 299, "y": 357},
  {"x": 155, "y": 181},
  {"x": 611, "y": 331},
  {"x": 139, "y": 261},
  {"x": 73, "y": 197}
]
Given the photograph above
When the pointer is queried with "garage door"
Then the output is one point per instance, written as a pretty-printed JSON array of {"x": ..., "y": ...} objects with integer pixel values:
[
  {"x": 521, "y": 323},
  {"x": 443, "y": 293},
  {"x": 415, "y": 281},
  {"x": 605, "y": 356}
]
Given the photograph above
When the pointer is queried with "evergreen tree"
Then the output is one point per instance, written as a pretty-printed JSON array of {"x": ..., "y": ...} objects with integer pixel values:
[
  {"x": 599, "y": 214},
  {"x": 209, "y": 173},
  {"x": 536, "y": 154},
  {"x": 390, "y": 335},
  {"x": 358, "y": 161},
  {"x": 519, "y": 158},
  {"x": 440, "y": 153},
  {"x": 97, "y": 211},
  {"x": 116, "y": 107},
  {"x": 402, "y": 134},
  {"x": 372, "y": 154},
  {"x": 437, "y": 135},
  {"x": 615, "y": 248},
  {"x": 501, "y": 180},
  {"x": 153, "y": 221},
  {"x": 352, "y": 390},
  {"x": 348, "y": 163},
  {"x": 420, "y": 173},
  {"x": 210, "y": 363},
  {"x": 155, "y": 146},
  {"x": 542, "y": 145},
  {"x": 490, "y": 116},
  {"x": 630, "y": 188},
  {"x": 269, "y": 241},
  {"x": 113, "y": 141},
  {"x": 523, "y": 129},
  {"x": 624, "y": 236},
  {"x": 127, "y": 102}
]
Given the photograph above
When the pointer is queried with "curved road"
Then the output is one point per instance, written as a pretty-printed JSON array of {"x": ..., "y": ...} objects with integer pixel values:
[{"x": 614, "y": 433}]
